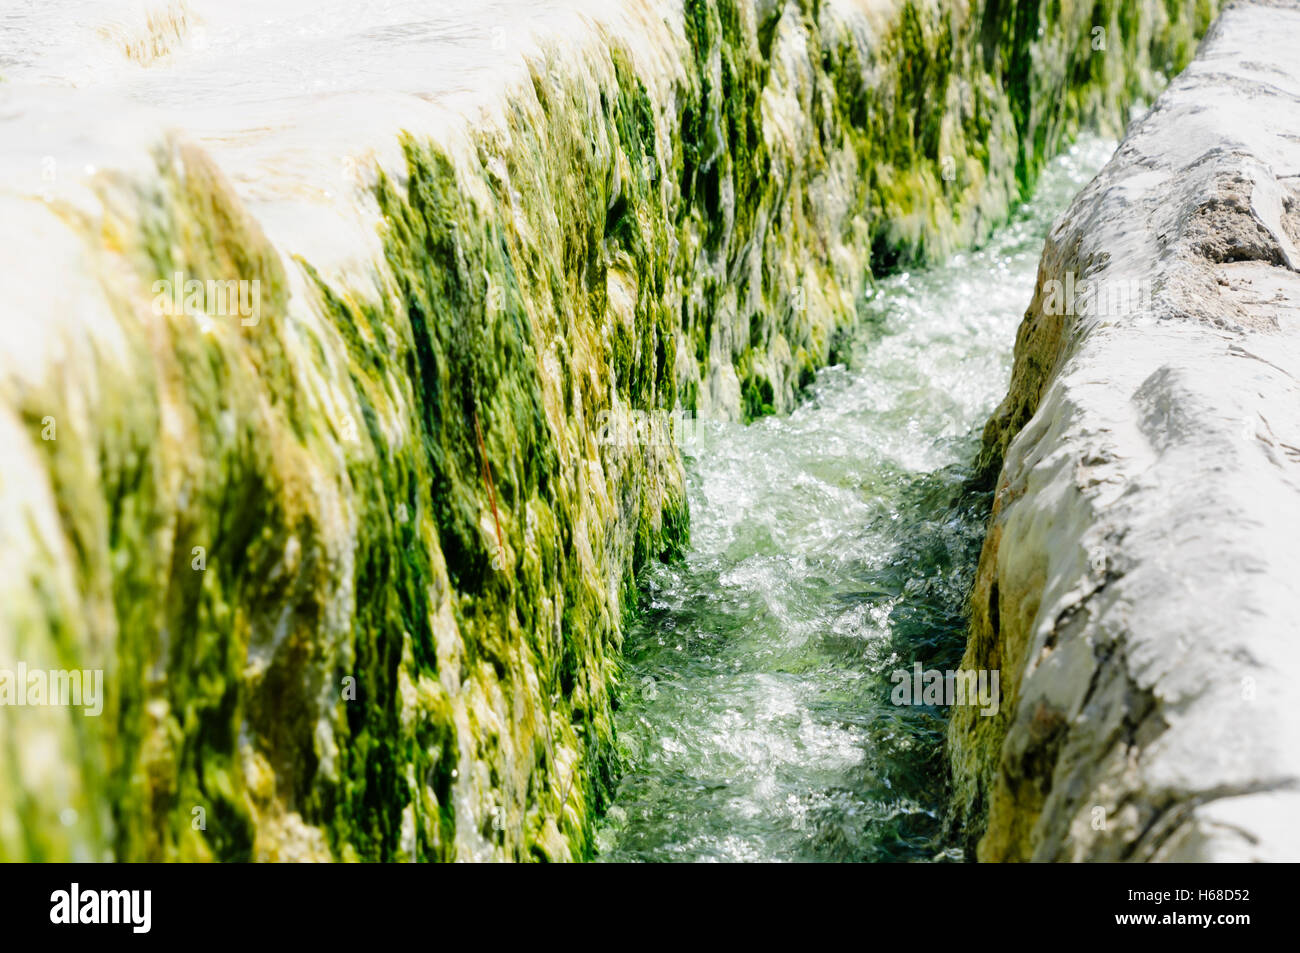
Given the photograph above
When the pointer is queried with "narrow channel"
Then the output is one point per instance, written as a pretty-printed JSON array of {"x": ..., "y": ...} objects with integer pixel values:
[{"x": 830, "y": 548}]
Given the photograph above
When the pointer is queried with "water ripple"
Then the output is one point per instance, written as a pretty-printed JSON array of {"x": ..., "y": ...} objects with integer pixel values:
[{"x": 830, "y": 548}]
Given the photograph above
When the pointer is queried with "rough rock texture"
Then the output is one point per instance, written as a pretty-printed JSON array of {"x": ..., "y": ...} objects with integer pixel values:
[
  {"x": 1138, "y": 584},
  {"x": 356, "y": 571}
]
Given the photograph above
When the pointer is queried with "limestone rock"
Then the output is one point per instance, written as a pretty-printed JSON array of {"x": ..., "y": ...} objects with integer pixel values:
[{"x": 1137, "y": 586}]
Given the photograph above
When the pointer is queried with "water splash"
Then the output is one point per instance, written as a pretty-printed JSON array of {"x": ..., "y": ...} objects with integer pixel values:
[{"x": 830, "y": 548}]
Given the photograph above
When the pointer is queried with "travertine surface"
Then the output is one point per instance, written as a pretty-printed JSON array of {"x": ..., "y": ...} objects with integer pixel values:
[
  {"x": 1140, "y": 583},
  {"x": 355, "y": 567}
]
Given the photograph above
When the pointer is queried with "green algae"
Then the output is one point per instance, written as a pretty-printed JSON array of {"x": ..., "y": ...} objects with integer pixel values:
[{"x": 419, "y": 558}]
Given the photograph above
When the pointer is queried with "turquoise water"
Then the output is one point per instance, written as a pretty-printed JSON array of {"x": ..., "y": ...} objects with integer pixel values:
[{"x": 829, "y": 549}]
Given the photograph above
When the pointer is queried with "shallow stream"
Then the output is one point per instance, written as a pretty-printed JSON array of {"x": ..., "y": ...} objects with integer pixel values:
[{"x": 830, "y": 548}]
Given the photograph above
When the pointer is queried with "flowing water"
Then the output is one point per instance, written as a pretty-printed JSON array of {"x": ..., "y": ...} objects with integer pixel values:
[
  {"x": 830, "y": 549},
  {"x": 292, "y": 98}
]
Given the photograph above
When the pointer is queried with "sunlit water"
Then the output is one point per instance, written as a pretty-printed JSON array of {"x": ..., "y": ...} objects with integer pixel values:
[
  {"x": 294, "y": 99},
  {"x": 830, "y": 548}
]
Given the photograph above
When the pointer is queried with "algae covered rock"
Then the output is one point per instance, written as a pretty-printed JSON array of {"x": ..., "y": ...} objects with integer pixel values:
[{"x": 335, "y": 387}]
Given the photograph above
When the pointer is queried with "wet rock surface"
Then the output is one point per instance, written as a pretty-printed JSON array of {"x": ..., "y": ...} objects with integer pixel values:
[
  {"x": 355, "y": 561},
  {"x": 1137, "y": 584}
]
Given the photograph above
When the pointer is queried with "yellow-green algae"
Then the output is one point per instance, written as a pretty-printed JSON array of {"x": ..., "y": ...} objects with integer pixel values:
[{"x": 358, "y": 572}]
